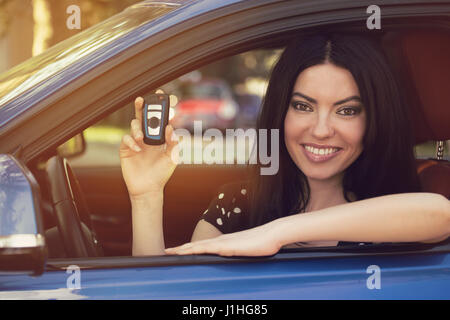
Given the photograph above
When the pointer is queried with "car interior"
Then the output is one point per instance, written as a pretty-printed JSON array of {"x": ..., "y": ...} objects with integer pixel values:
[{"x": 92, "y": 205}]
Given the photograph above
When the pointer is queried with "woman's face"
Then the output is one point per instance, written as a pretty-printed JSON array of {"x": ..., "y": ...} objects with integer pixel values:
[{"x": 325, "y": 122}]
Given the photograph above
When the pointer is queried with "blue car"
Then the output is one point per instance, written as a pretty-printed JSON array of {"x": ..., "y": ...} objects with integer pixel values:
[{"x": 65, "y": 230}]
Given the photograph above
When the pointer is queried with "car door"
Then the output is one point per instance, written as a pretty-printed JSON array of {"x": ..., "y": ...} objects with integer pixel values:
[{"x": 381, "y": 272}]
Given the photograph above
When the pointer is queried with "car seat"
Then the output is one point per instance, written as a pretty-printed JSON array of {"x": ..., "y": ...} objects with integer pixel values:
[{"x": 423, "y": 65}]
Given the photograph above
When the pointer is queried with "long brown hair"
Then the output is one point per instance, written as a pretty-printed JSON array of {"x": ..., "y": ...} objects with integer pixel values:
[{"x": 387, "y": 163}]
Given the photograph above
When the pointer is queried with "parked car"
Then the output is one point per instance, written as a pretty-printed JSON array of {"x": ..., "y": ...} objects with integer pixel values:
[
  {"x": 209, "y": 100},
  {"x": 57, "y": 223},
  {"x": 249, "y": 106}
]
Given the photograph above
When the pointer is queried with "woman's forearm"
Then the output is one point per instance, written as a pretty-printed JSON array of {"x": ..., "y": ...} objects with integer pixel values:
[
  {"x": 147, "y": 224},
  {"x": 408, "y": 217}
]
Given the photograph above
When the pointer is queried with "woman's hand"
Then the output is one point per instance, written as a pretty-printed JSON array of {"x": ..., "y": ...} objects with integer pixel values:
[
  {"x": 259, "y": 241},
  {"x": 145, "y": 168}
]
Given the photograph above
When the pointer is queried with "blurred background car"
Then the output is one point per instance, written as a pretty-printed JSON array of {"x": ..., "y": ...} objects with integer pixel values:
[
  {"x": 249, "y": 105},
  {"x": 208, "y": 100}
]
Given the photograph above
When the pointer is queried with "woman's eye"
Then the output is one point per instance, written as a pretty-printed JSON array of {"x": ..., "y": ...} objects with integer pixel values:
[
  {"x": 301, "y": 106},
  {"x": 350, "y": 111}
]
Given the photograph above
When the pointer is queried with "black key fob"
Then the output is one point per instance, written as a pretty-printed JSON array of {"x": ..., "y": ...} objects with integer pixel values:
[{"x": 155, "y": 116}]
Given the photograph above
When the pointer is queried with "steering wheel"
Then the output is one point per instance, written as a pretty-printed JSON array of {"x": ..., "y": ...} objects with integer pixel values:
[{"x": 77, "y": 238}]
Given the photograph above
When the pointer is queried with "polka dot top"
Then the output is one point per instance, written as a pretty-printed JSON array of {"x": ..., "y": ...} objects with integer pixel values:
[{"x": 228, "y": 211}]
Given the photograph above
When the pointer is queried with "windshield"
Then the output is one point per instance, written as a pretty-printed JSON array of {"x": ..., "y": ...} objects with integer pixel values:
[{"x": 31, "y": 72}]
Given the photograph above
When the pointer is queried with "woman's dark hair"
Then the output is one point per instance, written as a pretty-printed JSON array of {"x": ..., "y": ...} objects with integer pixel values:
[{"x": 387, "y": 162}]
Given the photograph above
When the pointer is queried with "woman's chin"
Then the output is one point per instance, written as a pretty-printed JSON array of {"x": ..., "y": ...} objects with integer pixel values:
[
  {"x": 320, "y": 174},
  {"x": 319, "y": 177}
]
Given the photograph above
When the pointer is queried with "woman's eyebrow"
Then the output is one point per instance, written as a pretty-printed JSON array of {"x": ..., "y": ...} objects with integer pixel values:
[
  {"x": 304, "y": 96},
  {"x": 312, "y": 100},
  {"x": 347, "y": 100}
]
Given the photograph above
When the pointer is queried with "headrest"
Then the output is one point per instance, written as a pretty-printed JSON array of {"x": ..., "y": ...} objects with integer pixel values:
[{"x": 426, "y": 58}]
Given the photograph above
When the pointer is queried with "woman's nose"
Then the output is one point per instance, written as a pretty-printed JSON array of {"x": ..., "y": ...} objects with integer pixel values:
[{"x": 322, "y": 127}]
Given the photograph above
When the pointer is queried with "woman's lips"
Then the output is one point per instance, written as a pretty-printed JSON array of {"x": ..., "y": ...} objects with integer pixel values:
[{"x": 329, "y": 152}]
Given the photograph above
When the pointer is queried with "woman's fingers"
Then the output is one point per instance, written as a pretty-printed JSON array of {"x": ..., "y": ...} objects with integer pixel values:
[
  {"x": 136, "y": 130},
  {"x": 172, "y": 142},
  {"x": 171, "y": 137},
  {"x": 130, "y": 143},
  {"x": 197, "y": 247},
  {"x": 187, "y": 250},
  {"x": 182, "y": 249},
  {"x": 138, "y": 106}
]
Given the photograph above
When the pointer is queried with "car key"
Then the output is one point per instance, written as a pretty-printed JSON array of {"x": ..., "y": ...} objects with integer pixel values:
[{"x": 155, "y": 116}]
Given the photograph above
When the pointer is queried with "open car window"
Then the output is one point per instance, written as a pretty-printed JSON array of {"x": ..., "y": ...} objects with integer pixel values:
[
  {"x": 226, "y": 94},
  {"x": 428, "y": 150}
]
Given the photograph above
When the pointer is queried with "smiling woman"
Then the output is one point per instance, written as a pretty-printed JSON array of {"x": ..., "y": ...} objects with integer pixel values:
[
  {"x": 335, "y": 91},
  {"x": 324, "y": 134},
  {"x": 347, "y": 170},
  {"x": 346, "y": 138}
]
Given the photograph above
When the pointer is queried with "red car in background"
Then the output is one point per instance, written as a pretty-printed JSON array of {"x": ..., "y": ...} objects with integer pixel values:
[{"x": 208, "y": 100}]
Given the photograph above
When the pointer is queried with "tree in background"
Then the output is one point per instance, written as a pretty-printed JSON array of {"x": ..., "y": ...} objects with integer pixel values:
[{"x": 28, "y": 27}]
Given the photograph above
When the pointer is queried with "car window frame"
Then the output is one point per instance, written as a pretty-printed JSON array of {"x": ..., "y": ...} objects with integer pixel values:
[
  {"x": 291, "y": 254},
  {"x": 380, "y": 249},
  {"x": 31, "y": 153}
]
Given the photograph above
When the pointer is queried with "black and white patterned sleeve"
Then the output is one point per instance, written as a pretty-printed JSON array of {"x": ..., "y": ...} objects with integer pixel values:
[{"x": 228, "y": 209}]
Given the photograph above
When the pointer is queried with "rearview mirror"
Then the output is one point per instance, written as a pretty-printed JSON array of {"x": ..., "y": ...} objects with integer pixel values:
[{"x": 22, "y": 244}]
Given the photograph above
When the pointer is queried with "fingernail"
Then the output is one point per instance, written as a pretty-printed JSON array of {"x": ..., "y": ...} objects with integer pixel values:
[{"x": 137, "y": 149}]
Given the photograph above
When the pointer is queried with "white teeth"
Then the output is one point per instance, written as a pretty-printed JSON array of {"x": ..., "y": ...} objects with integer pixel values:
[{"x": 321, "y": 151}]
